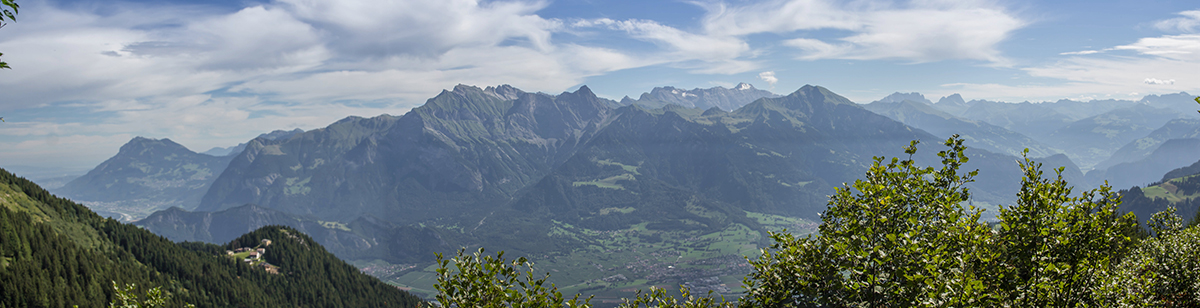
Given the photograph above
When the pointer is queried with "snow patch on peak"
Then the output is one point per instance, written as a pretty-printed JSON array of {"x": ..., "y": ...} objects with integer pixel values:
[{"x": 743, "y": 86}]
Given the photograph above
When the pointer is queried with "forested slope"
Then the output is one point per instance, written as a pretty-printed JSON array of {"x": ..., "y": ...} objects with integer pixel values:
[{"x": 57, "y": 253}]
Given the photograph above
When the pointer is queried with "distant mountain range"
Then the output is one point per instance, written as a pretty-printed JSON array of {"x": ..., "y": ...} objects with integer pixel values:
[
  {"x": 559, "y": 175},
  {"x": 913, "y": 109},
  {"x": 148, "y": 175},
  {"x": 719, "y": 97}
]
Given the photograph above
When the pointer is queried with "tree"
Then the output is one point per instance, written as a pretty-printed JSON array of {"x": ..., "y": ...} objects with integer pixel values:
[
  {"x": 11, "y": 14},
  {"x": 1164, "y": 271},
  {"x": 127, "y": 297},
  {"x": 904, "y": 239},
  {"x": 480, "y": 280},
  {"x": 1056, "y": 247}
]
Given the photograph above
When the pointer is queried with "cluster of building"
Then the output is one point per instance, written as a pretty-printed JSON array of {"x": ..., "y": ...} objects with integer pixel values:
[{"x": 255, "y": 253}]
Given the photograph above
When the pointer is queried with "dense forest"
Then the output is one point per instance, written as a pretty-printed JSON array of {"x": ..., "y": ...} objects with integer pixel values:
[{"x": 57, "y": 253}]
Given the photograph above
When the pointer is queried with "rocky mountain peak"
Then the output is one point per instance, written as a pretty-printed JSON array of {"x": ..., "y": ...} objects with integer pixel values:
[
  {"x": 900, "y": 97},
  {"x": 953, "y": 99}
]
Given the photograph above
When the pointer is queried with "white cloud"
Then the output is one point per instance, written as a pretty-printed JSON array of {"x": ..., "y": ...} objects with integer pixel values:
[
  {"x": 713, "y": 53},
  {"x": 769, "y": 77},
  {"x": 1158, "y": 81},
  {"x": 1111, "y": 71},
  {"x": 1184, "y": 47},
  {"x": 1079, "y": 53},
  {"x": 425, "y": 27},
  {"x": 921, "y": 31},
  {"x": 1188, "y": 23}
]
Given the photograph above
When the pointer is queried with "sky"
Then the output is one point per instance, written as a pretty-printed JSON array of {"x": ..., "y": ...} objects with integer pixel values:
[{"x": 88, "y": 76}]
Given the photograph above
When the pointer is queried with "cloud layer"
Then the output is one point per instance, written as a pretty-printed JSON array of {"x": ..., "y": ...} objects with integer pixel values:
[{"x": 92, "y": 72}]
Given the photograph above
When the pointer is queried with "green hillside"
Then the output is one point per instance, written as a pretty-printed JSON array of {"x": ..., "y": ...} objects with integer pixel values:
[
  {"x": 1182, "y": 192},
  {"x": 57, "y": 253}
]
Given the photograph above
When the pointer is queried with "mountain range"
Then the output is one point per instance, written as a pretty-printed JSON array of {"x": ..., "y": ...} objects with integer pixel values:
[
  {"x": 919, "y": 112},
  {"x": 568, "y": 176},
  {"x": 551, "y": 175},
  {"x": 723, "y": 98}
]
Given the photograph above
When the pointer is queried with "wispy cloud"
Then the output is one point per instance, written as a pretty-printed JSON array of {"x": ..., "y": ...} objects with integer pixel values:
[
  {"x": 1189, "y": 23},
  {"x": 1118, "y": 71},
  {"x": 918, "y": 31}
]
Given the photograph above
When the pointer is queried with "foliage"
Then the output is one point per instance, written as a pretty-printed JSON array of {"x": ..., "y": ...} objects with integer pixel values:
[
  {"x": 1163, "y": 272},
  {"x": 658, "y": 297},
  {"x": 904, "y": 239},
  {"x": 10, "y": 15},
  {"x": 1054, "y": 246},
  {"x": 127, "y": 297},
  {"x": 481, "y": 280},
  {"x": 1164, "y": 223}
]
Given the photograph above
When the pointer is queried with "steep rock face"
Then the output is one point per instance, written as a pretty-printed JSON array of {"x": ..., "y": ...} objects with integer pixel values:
[
  {"x": 148, "y": 174},
  {"x": 719, "y": 97},
  {"x": 465, "y": 147},
  {"x": 977, "y": 134}
]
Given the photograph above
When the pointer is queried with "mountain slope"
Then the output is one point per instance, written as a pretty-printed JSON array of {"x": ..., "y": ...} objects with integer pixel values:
[
  {"x": 1181, "y": 191},
  {"x": 1090, "y": 141},
  {"x": 237, "y": 149},
  {"x": 1142, "y": 147},
  {"x": 146, "y": 175},
  {"x": 361, "y": 239},
  {"x": 1033, "y": 120},
  {"x": 979, "y": 135},
  {"x": 1172, "y": 154},
  {"x": 715, "y": 97},
  {"x": 57, "y": 253},
  {"x": 466, "y": 147}
]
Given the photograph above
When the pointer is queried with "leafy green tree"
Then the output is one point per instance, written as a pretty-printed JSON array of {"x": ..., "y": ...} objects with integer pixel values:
[
  {"x": 480, "y": 280},
  {"x": 901, "y": 237},
  {"x": 658, "y": 297},
  {"x": 1054, "y": 246},
  {"x": 11, "y": 14},
  {"x": 127, "y": 297},
  {"x": 1164, "y": 271}
]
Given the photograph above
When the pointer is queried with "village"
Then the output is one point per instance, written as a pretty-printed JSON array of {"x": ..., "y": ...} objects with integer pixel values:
[{"x": 254, "y": 256}]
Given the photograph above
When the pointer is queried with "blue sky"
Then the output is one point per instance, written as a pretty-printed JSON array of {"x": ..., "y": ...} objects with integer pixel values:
[{"x": 90, "y": 75}]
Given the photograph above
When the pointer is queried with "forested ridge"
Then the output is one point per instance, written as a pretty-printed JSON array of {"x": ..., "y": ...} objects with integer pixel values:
[{"x": 57, "y": 253}]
